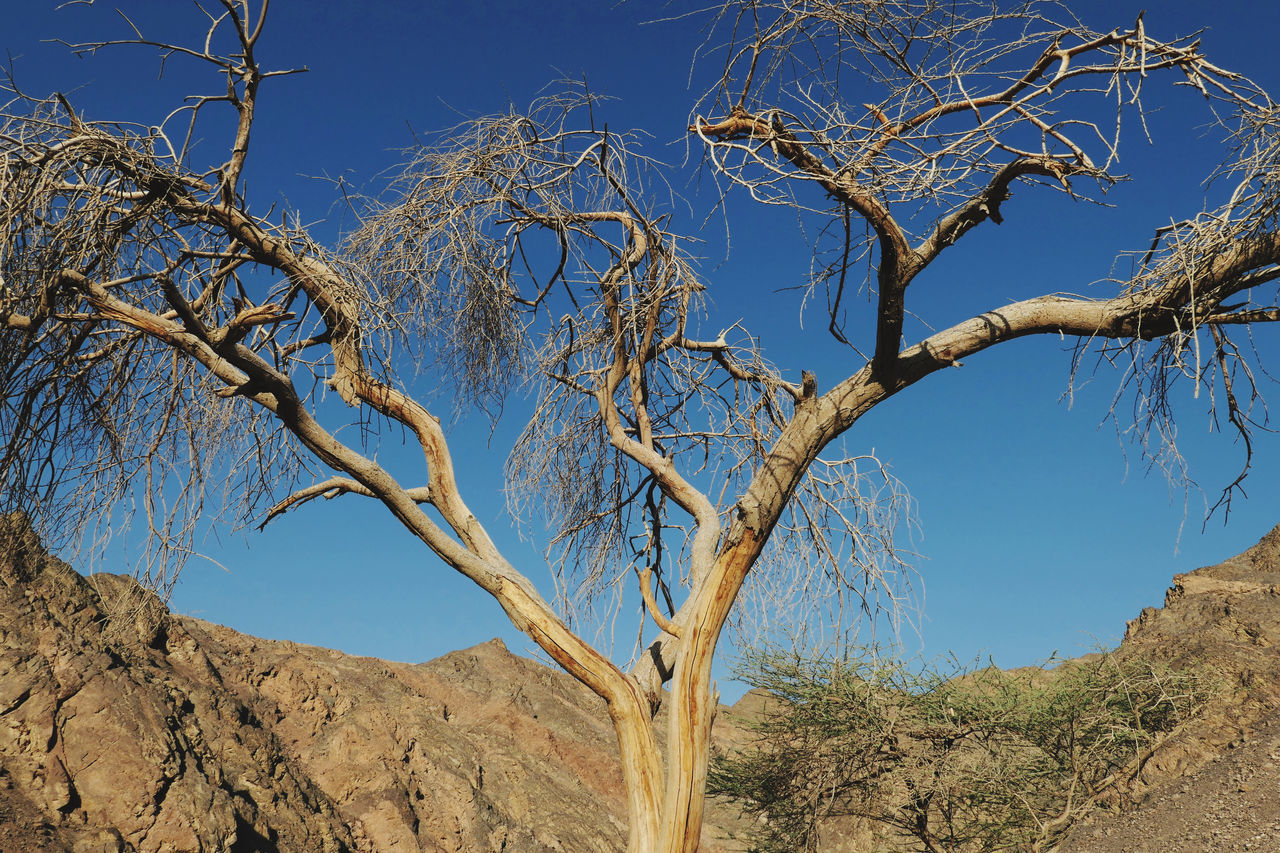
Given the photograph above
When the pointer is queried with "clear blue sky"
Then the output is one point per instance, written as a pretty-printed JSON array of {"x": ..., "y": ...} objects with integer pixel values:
[{"x": 1040, "y": 529}]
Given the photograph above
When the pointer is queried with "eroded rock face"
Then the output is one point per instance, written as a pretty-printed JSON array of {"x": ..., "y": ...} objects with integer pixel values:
[
  {"x": 1226, "y": 619},
  {"x": 1216, "y": 784},
  {"x": 126, "y": 728},
  {"x": 115, "y": 733},
  {"x": 479, "y": 750}
]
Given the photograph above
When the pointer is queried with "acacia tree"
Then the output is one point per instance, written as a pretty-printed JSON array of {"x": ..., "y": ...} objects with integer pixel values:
[
  {"x": 946, "y": 758},
  {"x": 163, "y": 337}
]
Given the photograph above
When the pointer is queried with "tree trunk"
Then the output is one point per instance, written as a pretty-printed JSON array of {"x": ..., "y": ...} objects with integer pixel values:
[{"x": 641, "y": 773}]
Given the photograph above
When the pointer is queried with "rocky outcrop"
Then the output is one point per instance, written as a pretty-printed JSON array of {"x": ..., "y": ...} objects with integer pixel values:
[
  {"x": 126, "y": 728},
  {"x": 479, "y": 750},
  {"x": 1215, "y": 785},
  {"x": 118, "y": 733},
  {"x": 1225, "y": 620}
]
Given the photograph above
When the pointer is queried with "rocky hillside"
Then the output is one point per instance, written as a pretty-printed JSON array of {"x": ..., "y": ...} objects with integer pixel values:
[
  {"x": 1215, "y": 786},
  {"x": 126, "y": 728}
]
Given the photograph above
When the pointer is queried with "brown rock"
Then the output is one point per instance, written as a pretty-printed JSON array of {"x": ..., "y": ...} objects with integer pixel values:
[
  {"x": 1216, "y": 784},
  {"x": 106, "y": 743},
  {"x": 123, "y": 727}
]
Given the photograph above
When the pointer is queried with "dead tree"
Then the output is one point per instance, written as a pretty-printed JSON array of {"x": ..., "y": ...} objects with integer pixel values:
[{"x": 162, "y": 338}]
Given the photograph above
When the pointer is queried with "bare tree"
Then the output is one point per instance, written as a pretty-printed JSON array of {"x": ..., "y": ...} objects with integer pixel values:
[{"x": 162, "y": 338}]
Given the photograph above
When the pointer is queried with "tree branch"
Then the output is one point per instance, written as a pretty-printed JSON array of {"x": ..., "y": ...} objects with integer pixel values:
[{"x": 330, "y": 489}]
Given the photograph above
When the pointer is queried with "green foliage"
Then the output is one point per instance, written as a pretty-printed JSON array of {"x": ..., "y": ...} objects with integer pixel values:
[{"x": 946, "y": 758}]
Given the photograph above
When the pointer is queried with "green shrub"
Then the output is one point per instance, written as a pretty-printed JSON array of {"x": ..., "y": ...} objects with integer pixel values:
[{"x": 945, "y": 758}]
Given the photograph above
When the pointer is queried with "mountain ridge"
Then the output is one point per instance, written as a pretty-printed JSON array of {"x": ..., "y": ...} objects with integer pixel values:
[{"x": 124, "y": 727}]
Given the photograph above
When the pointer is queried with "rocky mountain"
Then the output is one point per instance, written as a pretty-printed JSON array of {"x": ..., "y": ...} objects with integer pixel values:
[
  {"x": 124, "y": 727},
  {"x": 1214, "y": 786}
]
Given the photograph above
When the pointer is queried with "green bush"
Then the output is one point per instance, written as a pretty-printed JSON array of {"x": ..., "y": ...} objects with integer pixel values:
[{"x": 945, "y": 758}]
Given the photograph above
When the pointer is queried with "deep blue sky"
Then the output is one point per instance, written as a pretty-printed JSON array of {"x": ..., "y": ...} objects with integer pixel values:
[{"x": 1040, "y": 529}]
